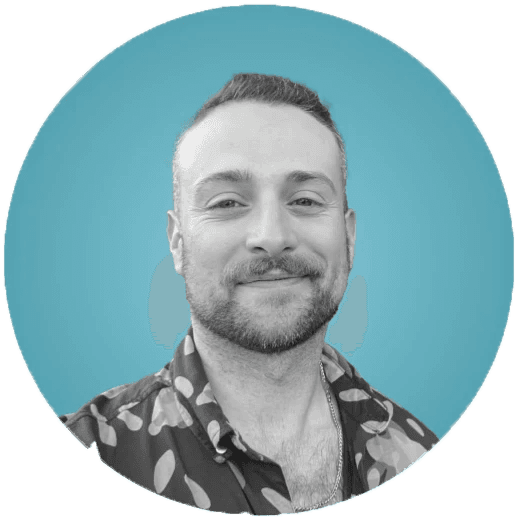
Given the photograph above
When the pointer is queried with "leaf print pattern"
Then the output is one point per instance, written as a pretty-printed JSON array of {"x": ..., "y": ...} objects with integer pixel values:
[
  {"x": 185, "y": 416},
  {"x": 200, "y": 497},
  {"x": 331, "y": 370},
  {"x": 164, "y": 470},
  {"x": 128, "y": 406},
  {"x": 373, "y": 426},
  {"x": 415, "y": 426},
  {"x": 205, "y": 396},
  {"x": 378, "y": 426},
  {"x": 184, "y": 386},
  {"x": 237, "y": 441},
  {"x": 353, "y": 395},
  {"x": 165, "y": 412},
  {"x": 392, "y": 452},
  {"x": 165, "y": 430},
  {"x": 237, "y": 473},
  {"x": 214, "y": 431},
  {"x": 189, "y": 345},
  {"x": 373, "y": 478},
  {"x": 107, "y": 433},
  {"x": 133, "y": 422}
]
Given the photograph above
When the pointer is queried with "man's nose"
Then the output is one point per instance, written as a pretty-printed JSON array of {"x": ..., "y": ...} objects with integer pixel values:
[{"x": 271, "y": 231}]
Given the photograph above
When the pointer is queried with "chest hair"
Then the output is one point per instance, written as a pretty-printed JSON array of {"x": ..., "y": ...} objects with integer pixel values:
[
  {"x": 310, "y": 467},
  {"x": 309, "y": 464}
]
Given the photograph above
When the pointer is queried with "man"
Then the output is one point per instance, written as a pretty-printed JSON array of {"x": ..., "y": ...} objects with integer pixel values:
[{"x": 256, "y": 413}]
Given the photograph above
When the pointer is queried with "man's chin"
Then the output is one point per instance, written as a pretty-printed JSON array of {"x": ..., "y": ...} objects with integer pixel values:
[
  {"x": 268, "y": 341},
  {"x": 272, "y": 333},
  {"x": 268, "y": 323},
  {"x": 269, "y": 304}
]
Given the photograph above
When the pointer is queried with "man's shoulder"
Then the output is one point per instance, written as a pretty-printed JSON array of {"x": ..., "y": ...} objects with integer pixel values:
[
  {"x": 386, "y": 449},
  {"x": 374, "y": 411},
  {"x": 385, "y": 438},
  {"x": 92, "y": 420}
]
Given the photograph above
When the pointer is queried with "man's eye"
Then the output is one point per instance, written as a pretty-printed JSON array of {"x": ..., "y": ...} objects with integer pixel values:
[
  {"x": 306, "y": 202},
  {"x": 226, "y": 204}
]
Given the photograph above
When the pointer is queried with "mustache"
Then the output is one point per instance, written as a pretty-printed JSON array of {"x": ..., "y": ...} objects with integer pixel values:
[{"x": 294, "y": 265}]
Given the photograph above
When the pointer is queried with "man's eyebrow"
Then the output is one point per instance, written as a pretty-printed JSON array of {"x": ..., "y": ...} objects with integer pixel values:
[
  {"x": 233, "y": 175},
  {"x": 307, "y": 176},
  {"x": 237, "y": 175}
]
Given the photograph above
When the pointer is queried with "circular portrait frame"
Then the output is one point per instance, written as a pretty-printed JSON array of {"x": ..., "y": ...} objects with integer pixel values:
[{"x": 37, "y": 359}]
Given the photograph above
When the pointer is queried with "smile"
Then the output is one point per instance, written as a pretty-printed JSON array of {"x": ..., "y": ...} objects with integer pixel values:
[{"x": 271, "y": 280}]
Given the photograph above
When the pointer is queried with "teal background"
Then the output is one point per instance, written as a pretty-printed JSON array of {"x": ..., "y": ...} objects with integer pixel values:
[
  {"x": 497, "y": 400},
  {"x": 92, "y": 293}
]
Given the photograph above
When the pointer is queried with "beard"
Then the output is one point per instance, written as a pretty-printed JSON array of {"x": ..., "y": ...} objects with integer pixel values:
[{"x": 277, "y": 322}]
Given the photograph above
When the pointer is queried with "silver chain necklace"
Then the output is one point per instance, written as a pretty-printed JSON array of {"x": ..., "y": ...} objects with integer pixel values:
[{"x": 339, "y": 433}]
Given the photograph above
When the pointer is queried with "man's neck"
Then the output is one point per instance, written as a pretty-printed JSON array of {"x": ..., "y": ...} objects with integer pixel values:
[{"x": 276, "y": 397}]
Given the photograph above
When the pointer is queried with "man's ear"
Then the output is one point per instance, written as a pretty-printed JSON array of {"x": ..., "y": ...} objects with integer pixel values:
[
  {"x": 351, "y": 234},
  {"x": 175, "y": 240}
]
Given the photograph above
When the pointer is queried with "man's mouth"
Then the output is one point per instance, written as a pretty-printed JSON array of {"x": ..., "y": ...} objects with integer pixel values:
[{"x": 279, "y": 277}]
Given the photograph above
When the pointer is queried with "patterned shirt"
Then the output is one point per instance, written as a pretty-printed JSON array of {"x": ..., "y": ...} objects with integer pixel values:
[{"x": 167, "y": 433}]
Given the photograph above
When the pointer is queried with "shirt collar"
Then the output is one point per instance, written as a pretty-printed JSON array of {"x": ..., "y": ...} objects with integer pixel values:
[
  {"x": 209, "y": 424},
  {"x": 356, "y": 398},
  {"x": 194, "y": 394}
]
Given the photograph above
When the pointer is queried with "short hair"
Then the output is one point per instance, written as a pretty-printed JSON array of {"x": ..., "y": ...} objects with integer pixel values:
[{"x": 272, "y": 90}]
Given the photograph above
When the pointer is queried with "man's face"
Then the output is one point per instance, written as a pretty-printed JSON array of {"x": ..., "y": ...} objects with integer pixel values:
[{"x": 262, "y": 239}]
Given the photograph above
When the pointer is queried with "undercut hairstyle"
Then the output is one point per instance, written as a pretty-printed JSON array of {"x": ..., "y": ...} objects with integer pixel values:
[{"x": 272, "y": 90}]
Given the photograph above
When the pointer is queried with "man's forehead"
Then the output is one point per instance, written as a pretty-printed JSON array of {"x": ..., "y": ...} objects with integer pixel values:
[{"x": 257, "y": 132}]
